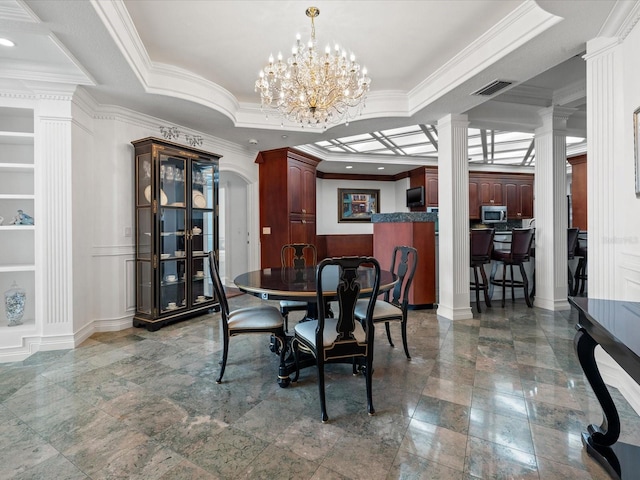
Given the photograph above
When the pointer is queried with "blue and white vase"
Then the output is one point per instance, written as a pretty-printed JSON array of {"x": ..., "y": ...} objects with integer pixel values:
[{"x": 14, "y": 301}]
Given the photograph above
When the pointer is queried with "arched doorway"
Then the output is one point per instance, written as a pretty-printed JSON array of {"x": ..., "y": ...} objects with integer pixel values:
[{"x": 234, "y": 230}]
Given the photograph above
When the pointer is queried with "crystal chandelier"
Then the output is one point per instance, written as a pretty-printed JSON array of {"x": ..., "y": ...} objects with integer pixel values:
[{"x": 312, "y": 89}]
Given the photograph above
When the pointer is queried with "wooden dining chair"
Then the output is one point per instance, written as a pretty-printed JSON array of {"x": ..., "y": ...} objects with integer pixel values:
[
  {"x": 259, "y": 319},
  {"x": 343, "y": 338},
  {"x": 396, "y": 302},
  {"x": 297, "y": 256}
]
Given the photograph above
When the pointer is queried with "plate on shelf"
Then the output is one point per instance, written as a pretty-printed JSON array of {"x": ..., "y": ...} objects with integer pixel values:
[
  {"x": 177, "y": 204},
  {"x": 198, "y": 252},
  {"x": 165, "y": 255},
  {"x": 147, "y": 195},
  {"x": 198, "y": 200}
]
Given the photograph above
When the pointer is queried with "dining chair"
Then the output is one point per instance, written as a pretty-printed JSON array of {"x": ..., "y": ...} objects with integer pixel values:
[
  {"x": 480, "y": 250},
  {"x": 258, "y": 319},
  {"x": 393, "y": 307},
  {"x": 342, "y": 338},
  {"x": 572, "y": 245},
  {"x": 580, "y": 276},
  {"x": 298, "y": 256}
]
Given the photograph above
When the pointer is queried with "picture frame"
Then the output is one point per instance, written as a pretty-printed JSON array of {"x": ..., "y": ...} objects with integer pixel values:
[
  {"x": 357, "y": 205},
  {"x": 636, "y": 148}
]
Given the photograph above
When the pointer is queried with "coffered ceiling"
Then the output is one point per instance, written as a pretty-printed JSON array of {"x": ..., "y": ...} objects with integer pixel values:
[{"x": 193, "y": 63}]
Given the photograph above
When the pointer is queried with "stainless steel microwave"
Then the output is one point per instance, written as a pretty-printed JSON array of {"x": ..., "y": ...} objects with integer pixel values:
[{"x": 493, "y": 213}]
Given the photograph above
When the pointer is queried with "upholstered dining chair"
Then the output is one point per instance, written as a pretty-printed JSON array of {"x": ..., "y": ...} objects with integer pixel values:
[
  {"x": 343, "y": 338},
  {"x": 261, "y": 319},
  {"x": 480, "y": 252},
  {"x": 396, "y": 302},
  {"x": 296, "y": 255}
]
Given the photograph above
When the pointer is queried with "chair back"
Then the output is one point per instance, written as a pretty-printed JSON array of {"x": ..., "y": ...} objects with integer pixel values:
[
  {"x": 572, "y": 241},
  {"x": 298, "y": 255},
  {"x": 350, "y": 273},
  {"x": 403, "y": 265},
  {"x": 481, "y": 244},
  {"x": 218, "y": 288},
  {"x": 521, "y": 241}
]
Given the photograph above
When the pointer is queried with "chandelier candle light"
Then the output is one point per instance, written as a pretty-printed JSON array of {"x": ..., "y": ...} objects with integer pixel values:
[{"x": 312, "y": 89}]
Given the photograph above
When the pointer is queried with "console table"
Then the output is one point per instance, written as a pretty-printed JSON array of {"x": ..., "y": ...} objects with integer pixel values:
[{"x": 615, "y": 326}]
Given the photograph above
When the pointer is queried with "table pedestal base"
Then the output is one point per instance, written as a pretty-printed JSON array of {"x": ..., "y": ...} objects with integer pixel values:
[{"x": 616, "y": 459}]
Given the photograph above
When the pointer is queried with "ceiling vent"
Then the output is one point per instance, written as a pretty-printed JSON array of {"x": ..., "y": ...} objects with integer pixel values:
[{"x": 492, "y": 88}]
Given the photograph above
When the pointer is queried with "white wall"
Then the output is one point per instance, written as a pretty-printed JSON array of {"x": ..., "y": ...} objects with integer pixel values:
[
  {"x": 614, "y": 205},
  {"x": 109, "y": 191},
  {"x": 392, "y": 199},
  {"x": 625, "y": 238}
]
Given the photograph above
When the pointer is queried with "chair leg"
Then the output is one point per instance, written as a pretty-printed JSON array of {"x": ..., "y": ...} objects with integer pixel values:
[
  {"x": 504, "y": 274},
  {"x": 570, "y": 279},
  {"x": 386, "y": 326},
  {"x": 403, "y": 327},
  {"x": 513, "y": 289},
  {"x": 485, "y": 287},
  {"x": 525, "y": 285},
  {"x": 225, "y": 353},
  {"x": 323, "y": 402},
  {"x": 369, "y": 375},
  {"x": 477, "y": 288}
]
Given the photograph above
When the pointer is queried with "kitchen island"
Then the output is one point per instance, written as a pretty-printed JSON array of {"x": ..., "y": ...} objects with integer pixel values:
[{"x": 413, "y": 229}]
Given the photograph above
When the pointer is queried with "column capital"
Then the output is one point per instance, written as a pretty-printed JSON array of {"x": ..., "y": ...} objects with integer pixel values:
[
  {"x": 454, "y": 120},
  {"x": 554, "y": 118}
]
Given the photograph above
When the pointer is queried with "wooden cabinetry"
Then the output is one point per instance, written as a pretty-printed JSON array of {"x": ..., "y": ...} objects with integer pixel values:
[
  {"x": 428, "y": 178},
  {"x": 579, "y": 191},
  {"x": 176, "y": 194},
  {"x": 518, "y": 197},
  {"x": 287, "y": 201},
  {"x": 17, "y": 192}
]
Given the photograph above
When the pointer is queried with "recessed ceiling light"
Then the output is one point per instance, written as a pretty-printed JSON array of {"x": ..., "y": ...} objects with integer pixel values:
[
  {"x": 284, "y": 136},
  {"x": 380, "y": 168},
  {"x": 348, "y": 166},
  {"x": 5, "y": 42}
]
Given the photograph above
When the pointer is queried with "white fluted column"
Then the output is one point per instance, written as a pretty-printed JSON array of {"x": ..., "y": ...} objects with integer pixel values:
[
  {"x": 453, "y": 218},
  {"x": 551, "y": 209},
  {"x": 53, "y": 218},
  {"x": 604, "y": 94}
]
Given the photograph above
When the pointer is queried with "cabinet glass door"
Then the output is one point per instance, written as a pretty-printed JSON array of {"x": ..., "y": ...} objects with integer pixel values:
[
  {"x": 144, "y": 227},
  {"x": 203, "y": 229},
  {"x": 173, "y": 246}
]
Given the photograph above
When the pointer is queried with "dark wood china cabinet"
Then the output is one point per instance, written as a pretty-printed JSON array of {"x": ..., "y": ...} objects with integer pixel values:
[{"x": 176, "y": 198}]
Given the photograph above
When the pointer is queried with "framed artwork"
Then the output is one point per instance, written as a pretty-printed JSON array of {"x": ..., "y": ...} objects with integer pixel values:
[
  {"x": 357, "y": 205},
  {"x": 636, "y": 147}
]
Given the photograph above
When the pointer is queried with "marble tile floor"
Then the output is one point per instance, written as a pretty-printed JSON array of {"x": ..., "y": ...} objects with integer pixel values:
[{"x": 500, "y": 396}]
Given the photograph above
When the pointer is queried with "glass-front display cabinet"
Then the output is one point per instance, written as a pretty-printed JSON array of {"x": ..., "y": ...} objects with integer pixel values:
[{"x": 176, "y": 227}]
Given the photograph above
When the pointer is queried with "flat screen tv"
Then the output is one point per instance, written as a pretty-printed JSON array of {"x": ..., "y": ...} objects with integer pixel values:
[{"x": 415, "y": 197}]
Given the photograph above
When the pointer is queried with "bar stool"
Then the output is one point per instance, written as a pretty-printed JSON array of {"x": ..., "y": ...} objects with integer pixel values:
[
  {"x": 518, "y": 254},
  {"x": 481, "y": 248},
  {"x": 572, "y": 244},
  {"x": 580, "y": 277}
]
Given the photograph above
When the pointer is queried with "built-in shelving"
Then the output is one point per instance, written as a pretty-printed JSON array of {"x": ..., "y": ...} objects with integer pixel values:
[{"x": 17, "y": 192}]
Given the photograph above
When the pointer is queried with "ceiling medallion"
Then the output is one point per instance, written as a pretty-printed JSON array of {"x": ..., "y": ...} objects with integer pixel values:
[{"x": 314, "y": 89}]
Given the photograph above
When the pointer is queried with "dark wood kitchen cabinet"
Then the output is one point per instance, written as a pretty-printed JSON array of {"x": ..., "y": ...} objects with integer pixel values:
[
  {"x": 518, "y": 196},
  {"x": 426, "y": 177},
  {"x": 287, "y": 191}
]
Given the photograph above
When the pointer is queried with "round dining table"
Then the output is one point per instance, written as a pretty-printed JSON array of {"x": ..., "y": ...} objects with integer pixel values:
[{"x": 288, "y": 283}]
